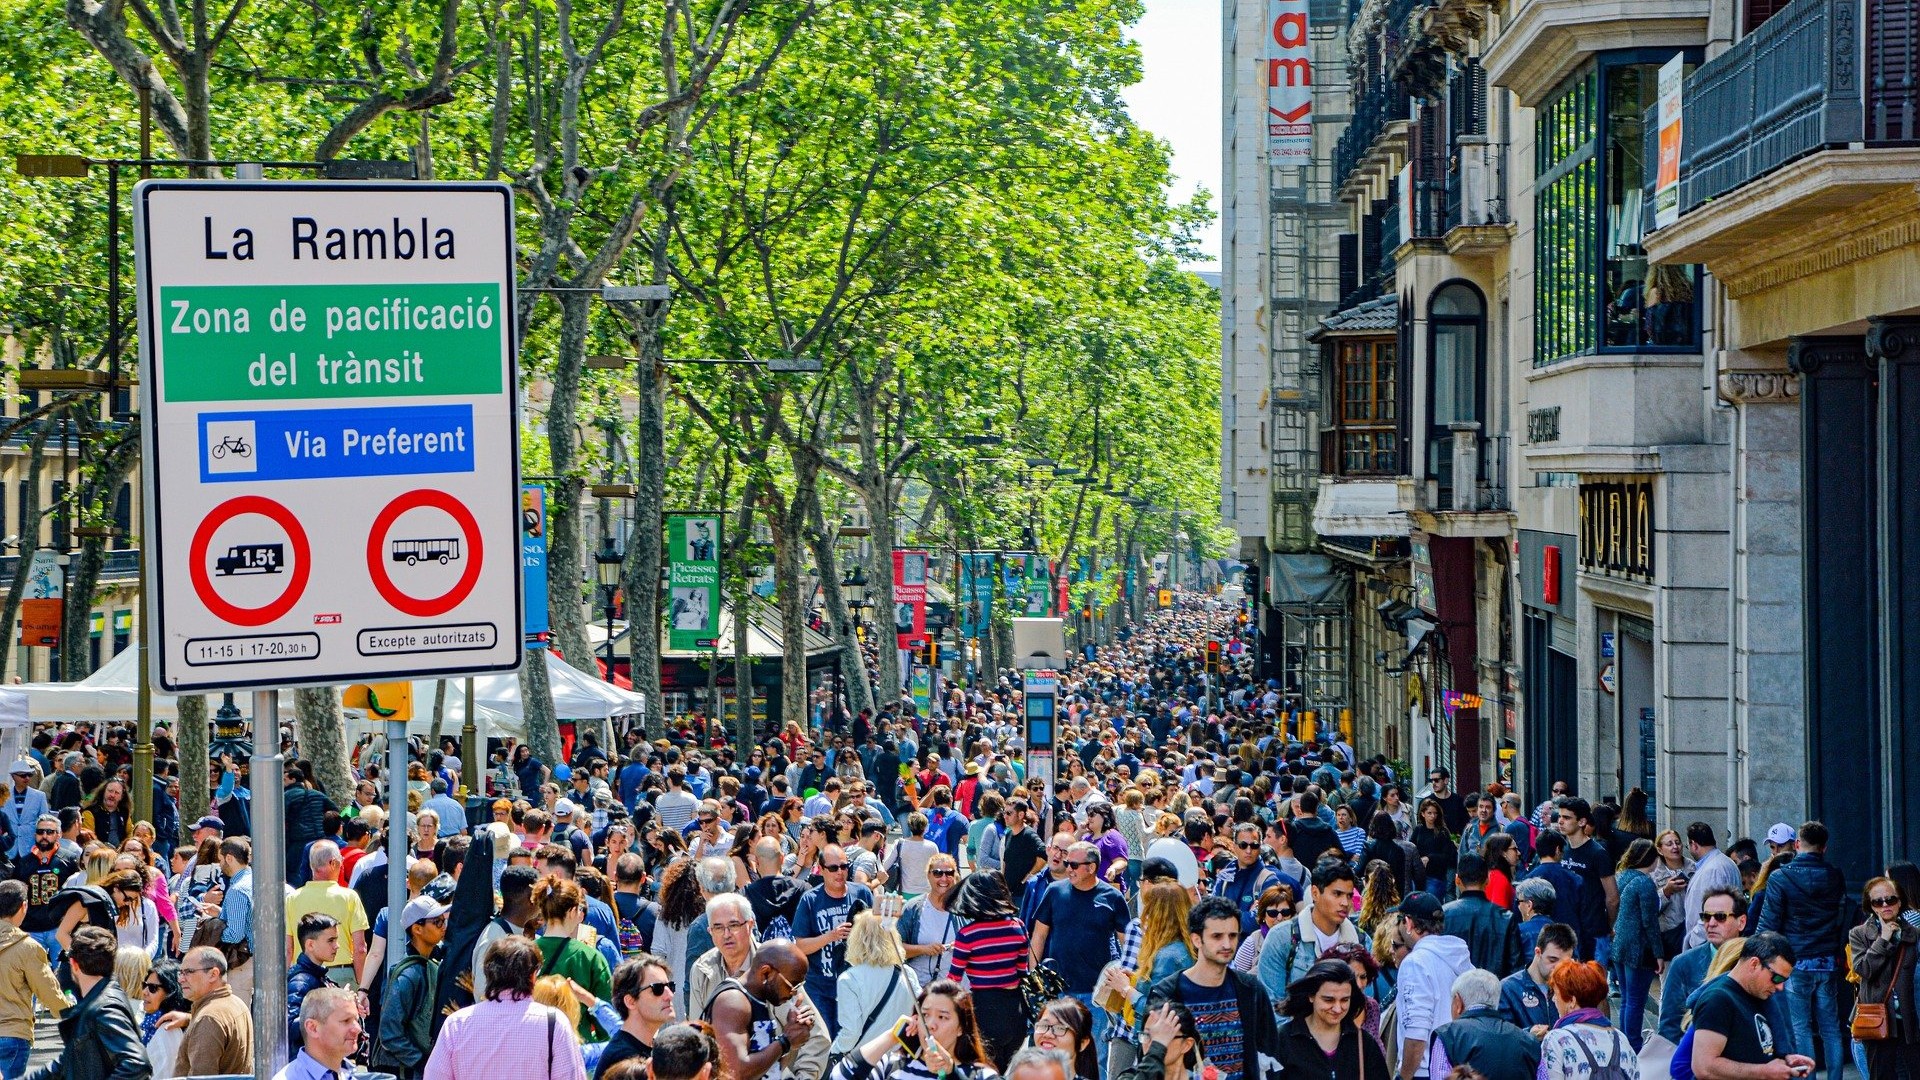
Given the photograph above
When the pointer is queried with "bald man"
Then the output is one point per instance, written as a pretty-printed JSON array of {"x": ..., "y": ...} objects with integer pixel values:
[{"x": 756, "y": 1041}]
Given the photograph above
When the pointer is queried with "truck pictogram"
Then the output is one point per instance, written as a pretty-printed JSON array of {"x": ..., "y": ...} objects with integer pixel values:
[{"x": 251, "y": 559}]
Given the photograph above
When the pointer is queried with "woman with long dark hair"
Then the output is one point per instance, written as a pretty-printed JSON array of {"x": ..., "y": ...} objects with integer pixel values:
[
  {"x": 1324, "y": 1040},
  {"x": 1066, "y": 1025},
  {"x": 990, "y": 956},
  {"x": 1637, "y": 947},
  {"x": 1383, "y": 846},
  {"x": 941, "y": 1041},
  {"x": 1437, "y": 847}
]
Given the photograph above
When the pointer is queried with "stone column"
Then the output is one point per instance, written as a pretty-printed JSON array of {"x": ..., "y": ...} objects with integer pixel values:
[
  {"x": 1769, "y": 782},
  {"x": 1893, "y": 348}
]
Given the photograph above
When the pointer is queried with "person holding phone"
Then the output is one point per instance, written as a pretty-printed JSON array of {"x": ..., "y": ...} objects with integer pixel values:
[
  {"x": 1732, "y": 1038},
  {"x": 939, "y": 1040}
]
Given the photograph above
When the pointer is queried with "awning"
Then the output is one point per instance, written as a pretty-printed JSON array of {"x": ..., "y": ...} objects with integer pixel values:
[
  {"x": 1305, "y": 581},
  {"x": 1360, "y": 508}
]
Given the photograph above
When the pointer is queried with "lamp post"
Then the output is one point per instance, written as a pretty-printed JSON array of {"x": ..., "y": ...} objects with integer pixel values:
[
  {"x": 606, "y": 565},
  {"x": 230, "y": 732},
  {"x": 854, "y": 588}
]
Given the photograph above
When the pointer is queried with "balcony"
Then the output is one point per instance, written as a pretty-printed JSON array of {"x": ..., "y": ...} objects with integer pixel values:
[
  {"x": 1798, "y": 150},
  {"x": 1377, "y": 113},
  {"x": 119, "y": 566},
  {"x": 1542, "y": 42},
  {"x": 1447, "y": 507}
]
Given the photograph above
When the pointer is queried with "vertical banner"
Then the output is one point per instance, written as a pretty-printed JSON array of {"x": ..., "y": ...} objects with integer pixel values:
[
  {"x": 1039, "y": 588},
  {"x": 910, "y": 599},
  {"x": 533, "y": 560},
  {"x": 1666, "y": 184},
  {"x": 976, "y": 593},
  {"x": 922, "y": 684},
  {"x": 1289, "y": 83},
  {"x": 693, "y": 581},
  {"x": 41, "y": 604}
]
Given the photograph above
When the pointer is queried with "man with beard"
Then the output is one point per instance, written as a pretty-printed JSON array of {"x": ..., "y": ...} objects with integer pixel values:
[{"x": 44, "y": 870}]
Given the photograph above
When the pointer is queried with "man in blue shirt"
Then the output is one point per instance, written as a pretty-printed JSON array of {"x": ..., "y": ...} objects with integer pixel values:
[
  {"x": 1079, "y": 927},
  {"x": 1525, "y": 999},
  {"x": 24, "y": 806},
  {"x": 236, "y": 908},
  {"x": 821, "y": 923},
  {"x": 330, "y": 1032},
  {"x": 1723, "y": 914}
]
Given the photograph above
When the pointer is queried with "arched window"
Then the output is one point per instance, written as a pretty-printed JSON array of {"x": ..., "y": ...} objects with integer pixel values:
[{"x": 1456, "y": 371}]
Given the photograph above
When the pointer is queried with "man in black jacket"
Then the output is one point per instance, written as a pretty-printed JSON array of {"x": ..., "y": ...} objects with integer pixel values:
[
  {"x": 99, "y": 1038},
  {"x": 306, "y": 821},
  {"x": 1490, "y": 931},
  {"x": 1807, "y": 903}
]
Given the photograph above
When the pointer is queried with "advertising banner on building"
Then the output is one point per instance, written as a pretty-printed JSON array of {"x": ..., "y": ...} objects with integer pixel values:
[
  {"x": 910, "y": 599},
  {"x": 41, "y": 604},
  {"x": 1666, "y": 184},
  {"x": 533, "y": 559},
  {"x": 1039, "y": 588},
  {"x": 1289, "y": 83},
  {"x": 693, "y": 581}
]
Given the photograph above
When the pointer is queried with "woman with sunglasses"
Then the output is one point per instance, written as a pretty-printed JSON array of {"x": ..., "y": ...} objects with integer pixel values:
[
  {"x": 1274, "y": 907},
  {"x": 1882, "y": 952},
  {"x": 160, "y": 995}
]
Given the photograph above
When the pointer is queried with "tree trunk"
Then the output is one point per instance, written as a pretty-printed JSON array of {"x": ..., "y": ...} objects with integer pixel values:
[
  {"x": 787, "y": 528},
  {"x": 878, "y": 497},
  {"x": 190, "y": 742},
  {"x": 536, "y": 697},
  {"x": 439, "y": 710},
  {"x": 640, "y": 576},
  {"x": 743, "y": 733},
  {"x": 29, "y": 541},
  {"x": 853, "y": 665},
  {"x": 322, "y": 734},
  {"x": 563, "y": 547}
]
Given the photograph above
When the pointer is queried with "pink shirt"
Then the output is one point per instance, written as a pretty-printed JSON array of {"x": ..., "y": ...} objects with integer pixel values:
[{"x": 506, "y": 1038}]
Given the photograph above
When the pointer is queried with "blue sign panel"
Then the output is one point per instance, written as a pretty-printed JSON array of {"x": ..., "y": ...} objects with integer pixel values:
[
  {"x": 533, "y": 559},
  {"x": 317, "y": 444}
]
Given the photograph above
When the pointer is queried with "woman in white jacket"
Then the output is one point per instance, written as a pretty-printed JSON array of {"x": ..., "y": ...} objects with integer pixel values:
[{"x": 877, "y": 987}]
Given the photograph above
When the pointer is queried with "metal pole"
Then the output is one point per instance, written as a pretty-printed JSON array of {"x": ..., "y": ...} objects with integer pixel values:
[
  {"x": 471, "y": 751},
  {"x": 399, "y": 843},
  {"x": 269, "y": 874}
]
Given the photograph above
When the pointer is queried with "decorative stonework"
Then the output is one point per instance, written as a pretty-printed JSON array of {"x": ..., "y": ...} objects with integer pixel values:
[
  {"x": 1810, "y": 355},
  {"x": 1760, "y": 387},
  {"x": 1869, "y": 229},
  {"x": 1895, "y": 339}
]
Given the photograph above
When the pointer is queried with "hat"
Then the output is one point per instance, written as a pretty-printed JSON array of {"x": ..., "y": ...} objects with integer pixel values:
[
  {"x": 420, "y": 909},
  {"x": 1780, "y": 833},
  {"x": 563, "y": 808},
  {"x": 753, "y": 772},
  {"x": 505, "y": 840},
  {"x": 440, "y": 888},
  {"x": 973, "y": 768},
  {"x": 22, "y": 766},
  {"x": 1158, "y": 869},
  {"x": 210, "y": 822},
  {"x": 1420, "y": 905}
]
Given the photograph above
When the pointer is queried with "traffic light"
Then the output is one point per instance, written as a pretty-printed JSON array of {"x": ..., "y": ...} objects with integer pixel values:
[
  {"x": 1213, "y": 658},
  {"x": 933, "y": 651}
]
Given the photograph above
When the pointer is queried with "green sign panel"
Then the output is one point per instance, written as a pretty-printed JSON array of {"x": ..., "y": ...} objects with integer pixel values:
[
  {"x": 693, "y": 581},
  {"x": 289, "y": 342}
]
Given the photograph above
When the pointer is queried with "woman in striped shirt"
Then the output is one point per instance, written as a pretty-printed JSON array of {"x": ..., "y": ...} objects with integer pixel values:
[{"x": 989, "y": 956}]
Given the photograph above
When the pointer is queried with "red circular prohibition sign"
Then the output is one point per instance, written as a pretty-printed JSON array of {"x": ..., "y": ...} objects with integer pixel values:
[
  {"x": 377, "y": 566},
  {"x": 296, "y": 582}
]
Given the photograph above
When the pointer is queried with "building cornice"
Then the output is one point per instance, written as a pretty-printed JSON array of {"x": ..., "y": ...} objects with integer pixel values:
[
  {"x": 1759, "y": 387},
  {"x": 1547, "y": 40}
]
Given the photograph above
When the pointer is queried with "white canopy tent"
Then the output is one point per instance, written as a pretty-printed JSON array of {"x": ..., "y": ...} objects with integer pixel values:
[{"x": 111, "y": 695}]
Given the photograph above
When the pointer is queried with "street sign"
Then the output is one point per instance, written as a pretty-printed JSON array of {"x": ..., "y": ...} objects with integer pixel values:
[{"x": 331, "y": 445}]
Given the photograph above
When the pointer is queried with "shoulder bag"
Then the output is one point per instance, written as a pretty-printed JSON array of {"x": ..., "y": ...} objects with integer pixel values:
[{"x": 1872, "y": 1021}]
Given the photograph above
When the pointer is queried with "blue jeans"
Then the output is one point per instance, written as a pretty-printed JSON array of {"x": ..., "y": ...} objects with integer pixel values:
[
  {"x": 1099, "y": 1028},
  {"x": 13, "y": 1058},
  {"x": 1813, "y": 997},
  {"x": 50, "y": 939},
  {"x": 1634, "y": 984},
  {"x": 1603, "y": 951}
]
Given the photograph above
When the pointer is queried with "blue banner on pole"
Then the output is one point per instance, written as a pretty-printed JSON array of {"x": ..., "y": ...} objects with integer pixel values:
[{"x": 533, "y": 559}]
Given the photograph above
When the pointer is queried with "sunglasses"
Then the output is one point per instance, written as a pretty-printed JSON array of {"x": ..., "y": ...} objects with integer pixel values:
[
  {"x": 1885, "y": 901},
  {"x": 153, "y": 987},
  {"x": 836, "y": 868},
  {"x": 660, "y": 989},
  {"x": 1085, "y": 862},
  {"x": 1245, "y": 845},
  {"x": 1717, "y": 916},
  {"x": 941, "y": 873},
  {"x": 46, "y": 832},
  {"x": 1778, "y": 979}
]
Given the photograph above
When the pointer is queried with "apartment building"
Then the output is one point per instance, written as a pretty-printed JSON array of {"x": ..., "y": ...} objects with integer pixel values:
[{"x": 1619, "y": 458}]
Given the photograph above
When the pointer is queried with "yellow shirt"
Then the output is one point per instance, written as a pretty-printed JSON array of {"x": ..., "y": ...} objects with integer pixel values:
[{"x": 328, "y": 898}]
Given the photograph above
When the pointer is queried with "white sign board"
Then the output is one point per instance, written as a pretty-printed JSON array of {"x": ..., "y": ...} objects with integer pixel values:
[
  {"x": 1289, "y": 83},
  {"x": 331, "y": 459},
  {"x": 1666, "y": 184}
]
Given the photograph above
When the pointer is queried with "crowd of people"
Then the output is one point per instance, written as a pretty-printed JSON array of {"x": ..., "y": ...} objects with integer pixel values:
[{"x": 1207, "y": 889}]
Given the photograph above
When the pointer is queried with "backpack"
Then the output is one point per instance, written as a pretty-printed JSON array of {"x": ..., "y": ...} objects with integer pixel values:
[
  {"x": 1616, "y": 1068},
  {"x": 634, "y": 936}
]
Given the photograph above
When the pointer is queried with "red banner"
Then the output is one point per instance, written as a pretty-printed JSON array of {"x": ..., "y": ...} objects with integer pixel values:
[{"x": 910, "y": 599}]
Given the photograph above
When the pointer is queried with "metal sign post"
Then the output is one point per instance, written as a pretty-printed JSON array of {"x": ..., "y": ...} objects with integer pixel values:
[
  {"x": 270, "y": 857},
  {"x": 1041, "y": 692},
  {"x": 399, "y": 841},
  {"x": 330, "y": 438}
]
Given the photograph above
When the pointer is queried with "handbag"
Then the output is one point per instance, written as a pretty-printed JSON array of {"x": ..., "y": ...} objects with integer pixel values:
[{"x": 1872, "y": 1022}]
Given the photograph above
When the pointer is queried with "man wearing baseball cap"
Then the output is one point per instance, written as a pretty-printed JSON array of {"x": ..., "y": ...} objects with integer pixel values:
[
  {"x": 406, "y": 1014},
  {"x": 1425, "y": 991},
  {"x": 25, "y": 806},
  {"x": 1780, "y": 837}
]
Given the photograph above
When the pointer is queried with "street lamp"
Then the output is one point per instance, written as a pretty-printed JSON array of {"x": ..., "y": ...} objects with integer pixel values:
[
  {"x": 606, "y": 565},
  {"x": 230, "y": 732}
]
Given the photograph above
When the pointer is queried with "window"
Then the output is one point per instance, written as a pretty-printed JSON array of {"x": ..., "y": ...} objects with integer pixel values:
[
  {"x": 1594, "y": 290},
  {"x": 1365, "y": 440},
  {"x": 1456, "y": 371}
]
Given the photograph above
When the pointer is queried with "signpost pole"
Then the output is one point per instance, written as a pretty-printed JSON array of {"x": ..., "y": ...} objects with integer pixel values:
[
  {"x": 399, "y": 842},
  {"x": 269, "y": 872}
]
